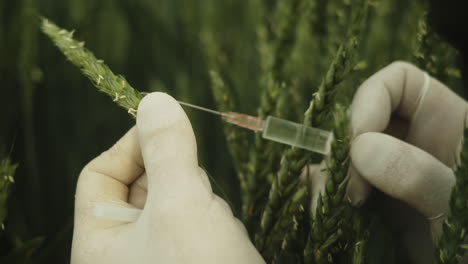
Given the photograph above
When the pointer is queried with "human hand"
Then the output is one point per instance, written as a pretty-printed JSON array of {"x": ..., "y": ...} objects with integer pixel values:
[
  {"x": 154, "y": 167},
  {"x": 407, "y": 130}
]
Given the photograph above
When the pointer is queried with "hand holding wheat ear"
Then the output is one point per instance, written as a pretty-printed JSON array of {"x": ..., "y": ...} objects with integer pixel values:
[
  {"x": 153, "y": 167},
  {"x": 407, "y": 129},
  {"x": 182, "y": 220}
]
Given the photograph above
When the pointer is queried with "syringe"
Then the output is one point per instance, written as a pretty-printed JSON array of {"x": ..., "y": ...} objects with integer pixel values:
[
  {"x": 279, "y": 130},
  {"x": 272, "y": 128}
]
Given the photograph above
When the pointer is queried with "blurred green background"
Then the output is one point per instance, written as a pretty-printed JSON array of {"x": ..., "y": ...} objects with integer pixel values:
[{"x": 53, "y": 121}]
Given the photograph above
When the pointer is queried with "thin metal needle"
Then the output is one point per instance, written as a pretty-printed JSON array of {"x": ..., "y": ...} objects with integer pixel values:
[{"x": 202, "y": 108}]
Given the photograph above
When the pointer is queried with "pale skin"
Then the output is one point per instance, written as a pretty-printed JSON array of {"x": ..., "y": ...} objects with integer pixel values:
[{"x": 154, "y": 167}]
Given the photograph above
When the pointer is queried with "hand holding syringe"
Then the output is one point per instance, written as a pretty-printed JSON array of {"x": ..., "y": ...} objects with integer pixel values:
[{"x": 272, "y": 128}]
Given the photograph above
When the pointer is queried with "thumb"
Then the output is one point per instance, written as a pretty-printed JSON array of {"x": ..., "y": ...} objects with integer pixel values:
[
  {"x": 404, "y": 172},
  {"x": 168, "y": 148}
]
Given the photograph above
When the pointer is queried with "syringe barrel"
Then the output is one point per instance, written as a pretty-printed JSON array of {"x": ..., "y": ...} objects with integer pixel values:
[{"x": 297, "y": 135}]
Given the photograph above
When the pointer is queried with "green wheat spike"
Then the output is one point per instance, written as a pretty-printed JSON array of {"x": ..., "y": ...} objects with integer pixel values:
[
  {"x": 329, "y": 226},
  {"x": 272, "y": 60},
  {"x": 436, "y": 56},
  {"x": 97, "y": 72},
  {"x": 7, "y": 172},
  {"x": 452, "y": 244},
  {"x": 236, "y": 139},
  {"x": 224, "y": 99},
  {"x": 294, "y": 160},
  {"x": 331, "y": 210}
]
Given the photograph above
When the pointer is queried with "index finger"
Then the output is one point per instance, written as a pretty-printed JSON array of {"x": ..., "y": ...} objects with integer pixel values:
[
  {"x": 395, "y": 88},
  {"x": 428, "y": 107},
  {"x": 106, "y": 178}
]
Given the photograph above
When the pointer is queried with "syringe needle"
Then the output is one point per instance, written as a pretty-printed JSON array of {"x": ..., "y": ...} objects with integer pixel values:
[
  {"x": 246, "y": 121},
  {"x": 201, "y": 108}
]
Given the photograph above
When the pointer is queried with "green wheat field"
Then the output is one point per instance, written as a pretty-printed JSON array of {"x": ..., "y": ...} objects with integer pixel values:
[{"x": 301, "y": 60}]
